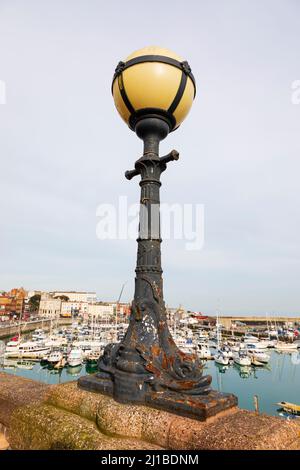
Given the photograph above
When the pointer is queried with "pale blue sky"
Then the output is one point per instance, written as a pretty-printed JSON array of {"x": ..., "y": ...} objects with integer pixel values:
[{"x": 64, "y": 149}]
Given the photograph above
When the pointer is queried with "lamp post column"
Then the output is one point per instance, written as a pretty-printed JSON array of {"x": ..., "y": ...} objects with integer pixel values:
[{"x": 148, "y": 326}]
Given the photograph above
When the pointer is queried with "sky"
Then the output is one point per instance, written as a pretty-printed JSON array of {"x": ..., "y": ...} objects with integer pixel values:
[{"x": 64, "y": 149}]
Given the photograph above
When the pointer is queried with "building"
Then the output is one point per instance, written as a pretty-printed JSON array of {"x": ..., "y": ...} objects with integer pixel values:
[
  {"x": 81, "y": 304},
  {"x": 5, "y": 304},
  {"x": 12, "y": 303},
  {"x": 18, "y": 292},
  {"x": 101, "y": 311},
  {"x": 70, "y": 309},
  {"x": 74, "y": 296},
  {"x": 50, "y": 308}
]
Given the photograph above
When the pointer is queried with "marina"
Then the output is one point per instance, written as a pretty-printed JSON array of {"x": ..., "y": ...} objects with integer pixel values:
[{"x": 246, "y": 366}]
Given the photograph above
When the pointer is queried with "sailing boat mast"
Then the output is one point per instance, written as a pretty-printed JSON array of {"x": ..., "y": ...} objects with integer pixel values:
[
  {"x": 117, "y": 307},
  {"x": 19, "y": 332},
  {"x": 218, "y": 331}
]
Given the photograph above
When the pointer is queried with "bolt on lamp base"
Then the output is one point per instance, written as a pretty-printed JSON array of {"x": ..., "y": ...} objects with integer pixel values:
[{"x": 199, "y": 407}]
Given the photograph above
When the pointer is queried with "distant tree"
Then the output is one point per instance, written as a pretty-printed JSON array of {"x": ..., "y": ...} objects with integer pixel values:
[
  {"x": 34, "y": 302},
  {"x": 64, "y": 298}
]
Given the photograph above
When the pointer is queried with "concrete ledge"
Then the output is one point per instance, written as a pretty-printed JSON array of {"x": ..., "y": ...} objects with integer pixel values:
[
  {"x": 16, "y": 392},
  {"x": 39, "y": 416},
  {"x": 45, "y": 427}
]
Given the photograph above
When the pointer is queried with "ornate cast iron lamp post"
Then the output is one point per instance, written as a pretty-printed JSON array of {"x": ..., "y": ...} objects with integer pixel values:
[{"x": 153, "y": 91}]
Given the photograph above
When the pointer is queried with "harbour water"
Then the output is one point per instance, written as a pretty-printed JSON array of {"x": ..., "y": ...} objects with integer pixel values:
[{"x": 278, "y": 381}]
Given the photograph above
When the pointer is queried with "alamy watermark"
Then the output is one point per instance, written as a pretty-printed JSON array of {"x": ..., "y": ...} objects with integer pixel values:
[
  {"x": 169, "y": 221},
  {"x": 2, "y": 92},
  {"x": 295, "y": 96}
]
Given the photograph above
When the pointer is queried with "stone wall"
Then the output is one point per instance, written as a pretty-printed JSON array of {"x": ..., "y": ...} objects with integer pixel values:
[
  {"x": 27, "y": 327},
  {"x": 39, "y": 416}
]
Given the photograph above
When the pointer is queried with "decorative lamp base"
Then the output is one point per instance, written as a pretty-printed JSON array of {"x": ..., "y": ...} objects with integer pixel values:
[{"x": 200, "y": 407}]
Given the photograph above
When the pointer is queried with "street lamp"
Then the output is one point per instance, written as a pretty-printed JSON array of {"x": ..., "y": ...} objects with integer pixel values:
[{"x": 153, "y": 90}]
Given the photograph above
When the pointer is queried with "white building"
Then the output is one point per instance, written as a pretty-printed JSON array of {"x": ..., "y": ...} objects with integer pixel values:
[
  {"x": 74, "y": 296},
  {"x": 50, "y": 308},
  {"x": 101, "y": 311},
  {"x": 70, "y": 308}
]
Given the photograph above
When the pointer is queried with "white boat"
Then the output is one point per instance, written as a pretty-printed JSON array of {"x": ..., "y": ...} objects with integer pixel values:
[
  {"x": 55, "y": 357},
  {"x": 92, "y": 357},
  {"x": 258, "y": 357},
  {"x": 33, "y": 350},
  {"x": 56, "y": 342},
  {"x": 186, "y": 345},
  {"x": 221, "y": 359},
  {"x": 257, "y": 344},
  {"x": 27, "y": 350},
  {"x": 250, "y": 339},
  {"x": 88, "y": 345},
  {"x": 12, "y": 349},
  {"x": 242, "y": 359},
  {"x": 264, "y": 344},
  {"x": 203, "y": 351},
  {"x": 75, "y": 358},
  {"x": 281, "y": 346},
  {"x": 38, "y": 335},
  {"x": 226, "y": 350}
]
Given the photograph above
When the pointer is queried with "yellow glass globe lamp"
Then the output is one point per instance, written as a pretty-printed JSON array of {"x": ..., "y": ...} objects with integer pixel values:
[{"x": 153, "y": 82}]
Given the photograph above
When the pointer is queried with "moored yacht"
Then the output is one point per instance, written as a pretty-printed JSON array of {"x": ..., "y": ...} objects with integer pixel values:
[
  {"x": 12, "y": 349},
  {"x": 250, "y": 338},
  {"x": 38, "y": 335},
  {"x": 185, "y": 344},
  {"x": 33, "y": 350},
  {"x": 75, "y": 358},
  {"x": 204, "y": 351},
  {"x": 258, "y": 356},
  {"x": 92, "y": 357},
  {"x": 282, "y": 346},
  {"x": 256, "y": 344},
  {"x": 226, "y": 351},
  {"x": 56, "y": 342},
  {"x": 241, "y": 358},
  {"x": 55, "y": 357},
  {"x": 221, "y": 359},
  {"x": 29, "y": 349}
]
